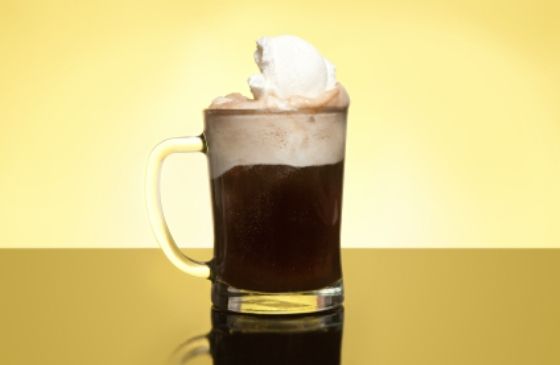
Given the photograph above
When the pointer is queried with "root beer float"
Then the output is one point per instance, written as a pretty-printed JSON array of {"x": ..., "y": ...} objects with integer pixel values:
[{"x": 276, "y": 163}]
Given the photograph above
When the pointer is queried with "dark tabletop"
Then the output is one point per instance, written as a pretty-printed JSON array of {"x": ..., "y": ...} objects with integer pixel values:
[{"x": 402, "y": 307}]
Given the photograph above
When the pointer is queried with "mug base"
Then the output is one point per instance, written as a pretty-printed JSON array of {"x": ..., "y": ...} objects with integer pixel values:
[{"x": 229, "y": 298}]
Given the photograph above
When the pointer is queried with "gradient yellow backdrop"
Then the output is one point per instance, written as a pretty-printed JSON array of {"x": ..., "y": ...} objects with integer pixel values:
[{"x": 454, "y": 134}]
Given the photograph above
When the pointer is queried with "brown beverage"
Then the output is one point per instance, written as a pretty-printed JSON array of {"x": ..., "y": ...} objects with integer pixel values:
[
  {"x": 277, "y": 227},
  {"x": 277, "y": 196}
]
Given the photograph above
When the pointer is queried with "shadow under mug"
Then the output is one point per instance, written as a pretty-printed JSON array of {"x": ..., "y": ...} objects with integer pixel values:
[
  {"x": 276, "y": 186},
  {"x": 255, "y": 340}
]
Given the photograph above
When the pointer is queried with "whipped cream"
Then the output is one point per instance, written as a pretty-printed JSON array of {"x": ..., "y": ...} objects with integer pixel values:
[{"x": 293, "y": 75}]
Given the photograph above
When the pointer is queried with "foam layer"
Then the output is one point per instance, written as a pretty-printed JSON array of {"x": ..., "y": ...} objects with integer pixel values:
[
  {"x": 336, "y": 97},
  {"x": 295, "y": 139}
]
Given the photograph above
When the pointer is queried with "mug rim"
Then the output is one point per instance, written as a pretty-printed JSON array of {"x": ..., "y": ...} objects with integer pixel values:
[{"x": 319, "y": 110}]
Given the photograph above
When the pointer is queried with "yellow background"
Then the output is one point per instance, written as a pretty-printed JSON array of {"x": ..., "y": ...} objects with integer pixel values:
[{"x": 454, "y": 129}]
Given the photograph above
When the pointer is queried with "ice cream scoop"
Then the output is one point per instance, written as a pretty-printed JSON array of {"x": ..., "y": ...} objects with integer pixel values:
[
  {"x": 290, "y": 67},
  {"x": 293, "y": 75}
]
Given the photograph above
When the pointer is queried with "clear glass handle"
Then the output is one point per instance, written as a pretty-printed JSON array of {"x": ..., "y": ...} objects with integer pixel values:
[{"x": 157, "y": 219}]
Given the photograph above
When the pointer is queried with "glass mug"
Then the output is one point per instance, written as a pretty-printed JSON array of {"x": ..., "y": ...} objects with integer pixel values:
[
  {"x": 238, "y": 339},
  {"x": 276, "y": 188}
]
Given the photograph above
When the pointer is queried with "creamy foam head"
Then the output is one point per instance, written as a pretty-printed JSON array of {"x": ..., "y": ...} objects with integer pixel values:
[
  {"x": 297, "y": 115},
  {"x": 293, "y": 76},
  {"x": 259, "y": 138}
]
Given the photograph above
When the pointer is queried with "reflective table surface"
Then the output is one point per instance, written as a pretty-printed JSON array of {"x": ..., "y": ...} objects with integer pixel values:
[{"x": 402, "y": 307}]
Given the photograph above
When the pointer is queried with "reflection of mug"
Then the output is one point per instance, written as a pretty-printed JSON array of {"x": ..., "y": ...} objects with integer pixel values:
[
  {"x": 256, "y": 340},
  {"x": 276, "y": 180}
]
